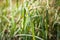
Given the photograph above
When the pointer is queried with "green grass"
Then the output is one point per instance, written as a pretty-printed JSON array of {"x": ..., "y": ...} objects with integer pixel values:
[{"x": 29, "y": 20}]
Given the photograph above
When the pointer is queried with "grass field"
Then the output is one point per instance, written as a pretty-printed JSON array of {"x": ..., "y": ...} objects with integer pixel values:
[{"x": 29, "y": 19}]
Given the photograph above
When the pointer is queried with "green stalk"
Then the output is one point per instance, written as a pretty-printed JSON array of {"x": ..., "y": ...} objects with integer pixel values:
[
  {"x": 17, "y": 3},
  {"x": 58, "y": 32},
  {"x": 32, "y": 29},
  {"x": 33, "y": 33},
  {"x": 24, "y": 27},
  {"x": 13, "y": 25},
  {"x": 7, "y": 3},
  {"x": 42, "y": 26},
  {"x": 46, "y": 24},
  {"x": 47, "y": 19}
]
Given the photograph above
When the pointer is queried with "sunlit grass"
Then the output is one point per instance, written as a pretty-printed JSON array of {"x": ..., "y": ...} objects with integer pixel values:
[{"x": 29, "y": 20}]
